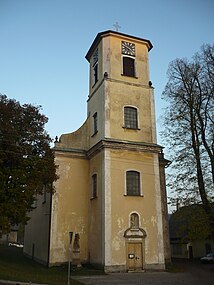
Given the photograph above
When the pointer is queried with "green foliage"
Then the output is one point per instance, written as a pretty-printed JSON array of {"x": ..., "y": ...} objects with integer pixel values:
[
  {"x": 16, "y": 267},
  {"x": 190, "y": 223},
  {"x": 26, "y": 160}
]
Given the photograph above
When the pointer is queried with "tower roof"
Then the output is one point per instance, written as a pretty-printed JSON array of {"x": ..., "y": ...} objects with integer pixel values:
[{"x": 110, "y": 32}]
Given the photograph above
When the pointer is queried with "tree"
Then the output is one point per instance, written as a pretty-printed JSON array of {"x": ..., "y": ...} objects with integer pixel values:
[
  {"x": 190, "y": 223},
  {"x": 189, "y": 128},
  {"x": 26, "y": 160}
]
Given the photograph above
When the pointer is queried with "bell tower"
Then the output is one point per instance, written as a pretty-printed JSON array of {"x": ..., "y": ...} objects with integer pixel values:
[
  {"x": 121, "y": 99},
  {"x": 124, "y": 156}
]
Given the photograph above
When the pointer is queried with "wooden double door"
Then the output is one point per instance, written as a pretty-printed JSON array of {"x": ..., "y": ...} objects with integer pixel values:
[{"x": 135, "y": 256}]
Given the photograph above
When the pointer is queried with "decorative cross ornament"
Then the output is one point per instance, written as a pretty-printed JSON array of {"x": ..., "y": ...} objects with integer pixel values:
[{"x": 117, "y": 26}]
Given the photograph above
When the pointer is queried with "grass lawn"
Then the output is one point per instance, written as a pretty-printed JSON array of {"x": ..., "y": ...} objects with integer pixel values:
[{"x": 15, "y": 266}]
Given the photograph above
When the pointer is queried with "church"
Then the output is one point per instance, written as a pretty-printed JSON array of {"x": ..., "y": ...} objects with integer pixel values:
[{"x": 109, "y": 207}]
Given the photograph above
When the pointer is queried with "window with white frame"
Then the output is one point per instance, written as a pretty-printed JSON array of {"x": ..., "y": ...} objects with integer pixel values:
[
  {"x": 130, "y": 118},
  {"x": 133, "y": 183},
  {"x": 128, "y": 66}
]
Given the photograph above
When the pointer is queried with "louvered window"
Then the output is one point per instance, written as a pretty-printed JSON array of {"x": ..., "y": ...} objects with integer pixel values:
[{"x": 128, "y": 66}]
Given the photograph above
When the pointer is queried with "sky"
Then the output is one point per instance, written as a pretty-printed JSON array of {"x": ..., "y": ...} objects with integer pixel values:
[{"x": 43, "y": 44}]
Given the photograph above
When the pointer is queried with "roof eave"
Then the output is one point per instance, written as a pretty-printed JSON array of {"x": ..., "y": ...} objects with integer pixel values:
[{"x": 102, "y": 34}]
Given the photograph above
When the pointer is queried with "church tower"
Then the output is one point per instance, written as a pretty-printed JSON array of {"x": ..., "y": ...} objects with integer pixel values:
[
  {"x": 126, "y": 207},
  {"x": 111, "y": 187}
]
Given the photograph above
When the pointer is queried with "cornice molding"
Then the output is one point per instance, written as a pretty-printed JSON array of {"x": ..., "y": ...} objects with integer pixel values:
[
  {"x": 123, "y": 145},
  {"x": 109, "y": 144},
  {"x": 74, "y": 153}
]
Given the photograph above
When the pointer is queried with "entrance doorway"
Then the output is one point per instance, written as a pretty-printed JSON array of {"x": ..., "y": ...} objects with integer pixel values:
[{"x": 135, "y": 258}]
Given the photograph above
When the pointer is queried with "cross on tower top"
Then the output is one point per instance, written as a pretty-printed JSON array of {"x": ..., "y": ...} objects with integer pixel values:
[{"x": 117, "y": 26}]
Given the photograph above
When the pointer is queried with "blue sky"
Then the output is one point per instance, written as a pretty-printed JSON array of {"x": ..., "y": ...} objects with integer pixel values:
[{"x": 43, "y": 44}]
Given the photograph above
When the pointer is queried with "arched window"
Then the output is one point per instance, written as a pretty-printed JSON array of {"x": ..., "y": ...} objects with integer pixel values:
[
  {"x": 134, "y": 221},
  {"x": 132, "y": 183},
  {"x": 130, "y": 118}
]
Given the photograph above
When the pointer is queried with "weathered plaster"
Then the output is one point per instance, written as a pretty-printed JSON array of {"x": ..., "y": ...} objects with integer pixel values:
[
  {"x": 153, "y": 120},
  {"x": 107, "y": 210},
  {"x": 102, "y": 221},
  {"x": 160, "y": 252}
]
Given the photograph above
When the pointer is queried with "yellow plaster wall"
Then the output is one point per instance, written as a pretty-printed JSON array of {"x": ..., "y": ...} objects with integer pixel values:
[
  {"x": 95, "y": 104},
  {"x": 126, "y": 95},
  {"x": 69, "y": 207},
  {"x": 95, "y": 212},
  {"x": 78, "y": 139},
  {"x": 123, "y": 206},
  {"x": 110, "y": 60},
  {"x": 109, "y": 97},
  {"x": 141, "y": 59},
  {"x": 92, "y": 86}
]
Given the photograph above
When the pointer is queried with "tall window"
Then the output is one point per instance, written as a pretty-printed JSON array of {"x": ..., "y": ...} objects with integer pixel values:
[
  {"x": 94, "y": 186},
  {"x": 130, "y": 118},
  {"x": 95, "y": 66},
  {"x": 95, "y": 123},
  {"x": 133, "y": 183},
  {"x": 128, "y": 52},
  {"x": 95, "y": 70},
  {"x": 128, "y": 66}
]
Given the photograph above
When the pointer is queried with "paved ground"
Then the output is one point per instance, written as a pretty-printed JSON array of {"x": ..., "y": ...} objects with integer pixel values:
[{"x": 194, "y": 274}]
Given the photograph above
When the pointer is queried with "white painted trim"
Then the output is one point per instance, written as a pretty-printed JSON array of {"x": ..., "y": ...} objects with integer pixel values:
[
  {"x": 138, "y": 115},
  {"x": 159, "y": 220},
  {"x": 135, "y": 212},
  {"x": 106, "y": 67},
  {"x": 153, "y": 118},
  {"x": 141, "y": 186},
  {"x": 106, "y": 98},
  {"x": 107, "y": 209},
  {"x": 133, "y": 57}
]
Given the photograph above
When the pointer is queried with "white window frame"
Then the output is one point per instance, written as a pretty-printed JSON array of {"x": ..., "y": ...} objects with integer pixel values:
[
  {"x": 138, "y": 119},
  {"x": 141, "y": 188},
  {"x": 122, "y": 67}
]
